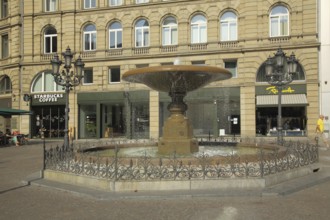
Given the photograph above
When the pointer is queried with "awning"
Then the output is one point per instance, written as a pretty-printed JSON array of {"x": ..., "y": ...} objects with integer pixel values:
[
  {"x": 11, "y": 111},
  {"x": 287, "y": 100}
]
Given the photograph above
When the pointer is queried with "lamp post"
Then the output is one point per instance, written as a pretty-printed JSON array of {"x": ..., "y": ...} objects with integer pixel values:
[
  {"x": 279, "y": 72},
  {"x": 68, "y": 79}
]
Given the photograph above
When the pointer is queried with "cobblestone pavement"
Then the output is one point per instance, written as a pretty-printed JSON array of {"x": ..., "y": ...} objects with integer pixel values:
[{"x": 21, "y": 201}]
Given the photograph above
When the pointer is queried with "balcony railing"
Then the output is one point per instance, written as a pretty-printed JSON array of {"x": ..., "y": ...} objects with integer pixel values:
[
  {"x": 142, "y": 50},
  {"x": 198, "y": 46}
]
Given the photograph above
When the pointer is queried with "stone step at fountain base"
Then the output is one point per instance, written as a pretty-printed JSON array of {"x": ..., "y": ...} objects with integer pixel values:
[
  {"x": 284, "y": 188},
  {"x": 259, "y": 183}
]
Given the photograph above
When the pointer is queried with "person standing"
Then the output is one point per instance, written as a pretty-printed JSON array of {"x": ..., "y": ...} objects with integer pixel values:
[{"x": 320, "y": 131}]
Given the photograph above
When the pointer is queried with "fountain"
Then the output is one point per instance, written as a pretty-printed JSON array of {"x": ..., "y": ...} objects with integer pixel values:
[
  {"x": 177, "y": 165},
  {"x": 177, "y": 81}
]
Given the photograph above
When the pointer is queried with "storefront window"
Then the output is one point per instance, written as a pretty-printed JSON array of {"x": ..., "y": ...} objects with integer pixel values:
[
  {"x": 210, "y": 110},
  {"x": 87, "y": 121},
  {"x": 293, "y": 121},
  {"x": 114, "y": 115}
]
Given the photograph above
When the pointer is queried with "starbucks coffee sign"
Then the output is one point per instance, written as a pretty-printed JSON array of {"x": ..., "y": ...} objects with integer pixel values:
[{"x": 49, "y": 99}]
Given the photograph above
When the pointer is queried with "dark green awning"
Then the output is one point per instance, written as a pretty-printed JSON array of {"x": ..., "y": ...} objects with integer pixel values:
[{"x": 11, "y": 111}]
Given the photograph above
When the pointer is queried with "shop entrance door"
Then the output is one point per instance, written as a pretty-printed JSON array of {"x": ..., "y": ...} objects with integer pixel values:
[
  {"x": 50, "y": 119},
  {"x": 235, "y": 124}
]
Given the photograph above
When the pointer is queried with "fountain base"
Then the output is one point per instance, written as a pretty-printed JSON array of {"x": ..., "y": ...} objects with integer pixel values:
[{"x": 177, "y": 136}]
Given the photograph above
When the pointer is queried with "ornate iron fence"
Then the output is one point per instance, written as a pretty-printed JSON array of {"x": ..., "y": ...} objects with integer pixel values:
[{"x": 203, "y": 166}]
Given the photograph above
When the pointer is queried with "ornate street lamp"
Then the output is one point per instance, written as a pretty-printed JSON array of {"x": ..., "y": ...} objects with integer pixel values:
[
  {"x": 279, "y": 72},
  {"x": 67, "y": 79}
]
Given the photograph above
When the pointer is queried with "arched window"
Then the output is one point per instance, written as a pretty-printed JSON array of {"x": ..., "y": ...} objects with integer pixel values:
[
  {"x": 5, "y": 85},
  {"x": 170, "y": 31},
  {"x": 44, "y": 82},
  {"x": 279, "y": 21},
  {"x": 50, "y": 40},
  {"x": 142, "y": 33},
  {"x": 261, "y": 74},
  {"x": 198, "y": 29},
  {"x": 89, "y": 38},
  {"x": 115, "y": 35},
  {"x": 228, "y": 27}
]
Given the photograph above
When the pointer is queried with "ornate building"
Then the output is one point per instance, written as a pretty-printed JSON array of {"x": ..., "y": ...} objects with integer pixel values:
[{"x": 113, "y": 36}]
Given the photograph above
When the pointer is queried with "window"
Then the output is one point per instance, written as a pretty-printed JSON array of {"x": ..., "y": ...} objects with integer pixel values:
[
  {"x": 198, "y": 29},
  {"x": 50, "y": 40},
  {"x": 5, "y": 85},
  {"x": 228, "y": 27},
  {"x": 114, "y": 74},
  {"x": 141, "y": 65},
  {"x": 89, "y": 4},
  {"x": 279, "y": 21},
  {"x": 115, "y": 2},
  {"x": 88, "y": 76},
  {"x": 167, "y": 64},
  {"x": 198, "y": 63},
  {"x": 142, "y": 33},
  {"x": 232, "y": 67},
  {"x": 50, "y": 5},
  {"x": 141, "y": 1},
  {"x": 170, "y": 31},
  {"x": 4, "y": 8},
  {"x": 4, "y": 46},
  {"x": 115, "y": 35},
  {"x": 89, "y": 38},
  {"x": 44, "y": 82}
]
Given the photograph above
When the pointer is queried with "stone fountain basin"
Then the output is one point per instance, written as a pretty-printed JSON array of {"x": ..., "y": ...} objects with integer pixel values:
[
  {"x": 245, "y": 151},
  {"x": 95, "y": 182},
  {"x": 188, "y": 78}
]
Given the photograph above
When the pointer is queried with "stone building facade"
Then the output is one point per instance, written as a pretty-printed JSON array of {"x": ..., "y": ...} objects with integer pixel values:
[{"x": 112, "y": 37}]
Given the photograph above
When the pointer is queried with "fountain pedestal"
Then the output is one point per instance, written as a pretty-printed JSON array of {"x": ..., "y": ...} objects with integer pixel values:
[
  {"x": 177, "y": 136},
  {"x": 177, "y": 130}
]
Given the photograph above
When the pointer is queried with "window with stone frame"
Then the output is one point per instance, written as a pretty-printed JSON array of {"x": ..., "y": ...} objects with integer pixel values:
[
  {"x": 142, "y": 33},
  {"x": 4, "y": 46},
  {"x": 228, "y": 26},
  {"x": 89, "y": 4},
  {"x": 141, "y": 1},
  {"x": 5, "y": 84},
  {"x": 169, "y": 31},
  {"x": 90, "y": 38},
  {"x": 115, "y": 2},
  {"x": 114, "y": 74},
  {"x": 50, "y": 5},
  {"x": 279, "y": 22},
  {"x": 88, "y": 76},
  {"x": 115, "y": 35},
  {"x": 4, "y": 8},
  {"x": 44, "y": 82},
  {"x": 231, "y": 65},
  {"x": 50, "y": 40},
  {"x": 198, "y": 29}
]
